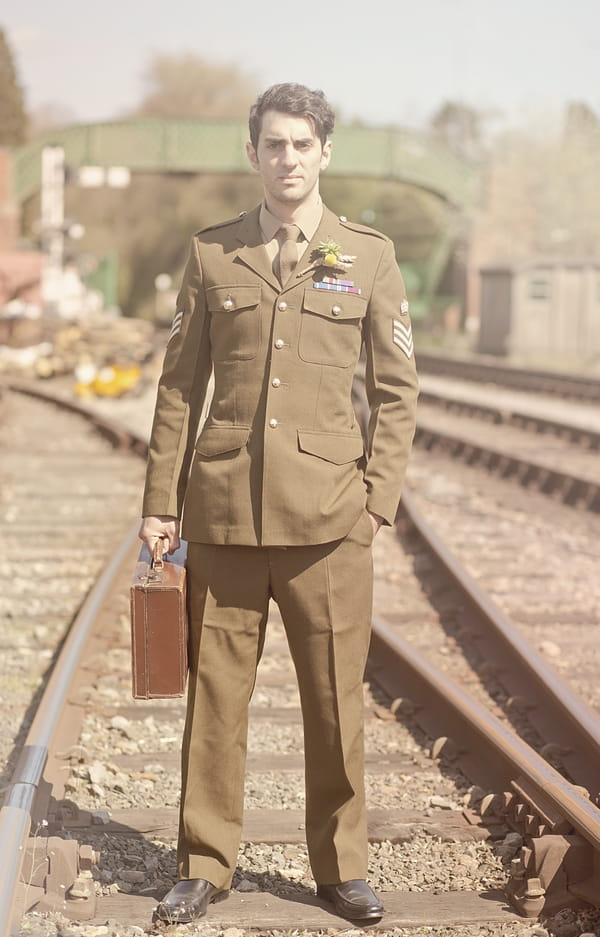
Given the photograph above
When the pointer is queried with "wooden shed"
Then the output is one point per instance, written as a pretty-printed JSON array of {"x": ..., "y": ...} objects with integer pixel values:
[{"x": 546, "y": 308}]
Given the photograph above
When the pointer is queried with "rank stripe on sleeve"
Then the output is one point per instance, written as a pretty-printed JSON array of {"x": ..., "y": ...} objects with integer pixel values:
[
  {"x": 402, "y": 336},
  {"x": 176, "y": 326}
]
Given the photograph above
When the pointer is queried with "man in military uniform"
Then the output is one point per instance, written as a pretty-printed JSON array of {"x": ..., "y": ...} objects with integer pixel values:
[{"x": 281, "y": 498}]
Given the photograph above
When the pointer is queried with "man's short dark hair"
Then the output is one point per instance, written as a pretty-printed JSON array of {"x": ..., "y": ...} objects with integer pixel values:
[{"x": 298, "y": 100}]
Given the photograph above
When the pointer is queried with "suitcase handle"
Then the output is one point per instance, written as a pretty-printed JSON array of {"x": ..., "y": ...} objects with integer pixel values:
[{"x": 157, "y": 555}]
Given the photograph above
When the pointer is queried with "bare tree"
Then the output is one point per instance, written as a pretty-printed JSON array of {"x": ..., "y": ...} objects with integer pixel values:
[
  {"x": 49, "y": 116},
  {"x": 190, "y": 86},
  {"x": 542, "y": 191},
  {"x": 459, "y": 127}
]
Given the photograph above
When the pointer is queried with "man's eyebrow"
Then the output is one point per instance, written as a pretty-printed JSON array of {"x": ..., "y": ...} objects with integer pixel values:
[{"x": 273, "y": 139}]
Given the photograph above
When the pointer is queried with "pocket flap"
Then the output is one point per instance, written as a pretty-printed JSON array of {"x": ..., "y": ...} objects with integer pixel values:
[
  {"x": 334, "y": 306},
  {"x": 215, "y": 440},
  {"x": 230, "y": 298},
  {"x": 334, "y": 447}
]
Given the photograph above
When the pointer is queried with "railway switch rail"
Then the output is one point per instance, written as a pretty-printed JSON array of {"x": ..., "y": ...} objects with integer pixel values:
[{"x": 560, "y": 863}]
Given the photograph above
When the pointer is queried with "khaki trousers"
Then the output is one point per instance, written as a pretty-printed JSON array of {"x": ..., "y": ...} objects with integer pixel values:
[{"x": 324, "y": 594}]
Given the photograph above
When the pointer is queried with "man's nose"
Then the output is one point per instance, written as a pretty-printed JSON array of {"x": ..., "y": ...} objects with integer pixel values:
[{"x": 289, "y": 156}]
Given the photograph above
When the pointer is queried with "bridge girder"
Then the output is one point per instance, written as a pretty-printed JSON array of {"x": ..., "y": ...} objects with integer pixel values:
[{"x": 195, "y": 146}]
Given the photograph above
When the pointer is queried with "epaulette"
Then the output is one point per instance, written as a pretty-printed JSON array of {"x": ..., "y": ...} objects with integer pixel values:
[
  {"x": 360, "y": 228},
  {"x": 221, "y": 224}
]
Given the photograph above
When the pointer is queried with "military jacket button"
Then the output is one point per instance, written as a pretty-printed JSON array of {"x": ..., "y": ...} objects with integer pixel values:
[
  {"x": 228, "y": 304},
  {"x": 279, "y": 343},
  {"x": 275, "y": 382},
  {"x": 273, "y": 423},
  {"x": 335, "y": 310},
  {"x": 282, "y": 306}
]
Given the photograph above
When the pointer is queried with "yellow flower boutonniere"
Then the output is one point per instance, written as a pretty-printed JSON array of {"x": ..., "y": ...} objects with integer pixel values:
[
  {"x": 332, "y": 255},
  {"x": 329, "y": 255}
]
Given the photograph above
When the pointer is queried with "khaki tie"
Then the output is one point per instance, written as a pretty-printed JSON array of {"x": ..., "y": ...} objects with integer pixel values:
[{"x": 287, "y": 258}]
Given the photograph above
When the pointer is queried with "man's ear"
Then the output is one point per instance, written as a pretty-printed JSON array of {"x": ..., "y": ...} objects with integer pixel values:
[
  {"x": 326, "y": 155},
  {"x": 251, "y": 154}
]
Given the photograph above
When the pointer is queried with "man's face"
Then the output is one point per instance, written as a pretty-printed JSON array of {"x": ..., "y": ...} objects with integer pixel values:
[{"x": 289, "y": 156}]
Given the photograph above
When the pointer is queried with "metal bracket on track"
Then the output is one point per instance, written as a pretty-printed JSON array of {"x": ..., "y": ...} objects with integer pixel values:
[
  {"x": 552, "y": 872},
  {"x": 555, "y": 867},
  {"x": 57, "y": 876}
]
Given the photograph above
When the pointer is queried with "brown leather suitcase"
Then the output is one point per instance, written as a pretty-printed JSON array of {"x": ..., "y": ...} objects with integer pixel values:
[{"x": 159, "y": 625}]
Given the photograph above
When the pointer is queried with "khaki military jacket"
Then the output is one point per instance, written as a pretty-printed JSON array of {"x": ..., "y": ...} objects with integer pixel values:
[{"x": 280, "y": 459}]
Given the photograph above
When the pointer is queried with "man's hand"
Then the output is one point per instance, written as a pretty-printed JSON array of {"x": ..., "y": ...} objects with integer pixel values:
[
  {"x": 160, "y": 525},
  {"x": 376, "y": 521}
]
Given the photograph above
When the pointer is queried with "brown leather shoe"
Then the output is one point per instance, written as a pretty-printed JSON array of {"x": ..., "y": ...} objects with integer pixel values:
[
  {"x": 188, "y": 900},
  {"x": 354, "y": 900}
]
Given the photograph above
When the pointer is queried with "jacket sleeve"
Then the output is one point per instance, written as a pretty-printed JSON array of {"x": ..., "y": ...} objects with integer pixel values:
[
  {"x": 391, "y": 387},
  {"x": 181, "y": 392}
]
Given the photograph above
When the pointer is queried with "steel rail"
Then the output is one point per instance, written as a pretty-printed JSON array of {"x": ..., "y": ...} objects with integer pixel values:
[
  {"x": 15, "y": 816},
  {"x": 514, "y": 417},
  {"x": 118, "y": 435},
  {"x": 558, "y": 714},
  {"x": 572, "y": 489},
  {"x": 534, "y": 380},
  {"x": 400, "y": 666}
]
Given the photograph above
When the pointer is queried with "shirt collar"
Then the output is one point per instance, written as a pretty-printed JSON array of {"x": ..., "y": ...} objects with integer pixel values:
[{"x": 308, "y": 220}]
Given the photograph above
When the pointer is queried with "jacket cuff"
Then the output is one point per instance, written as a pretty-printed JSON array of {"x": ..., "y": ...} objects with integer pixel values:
[{"x": 383, "y": 510}]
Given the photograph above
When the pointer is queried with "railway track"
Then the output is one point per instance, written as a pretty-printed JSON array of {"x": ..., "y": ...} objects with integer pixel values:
[
  {"x": 455, "y": 819},
  {"x": 546, "y": 416},
  {"x": 560, "y": 457},
  {"x": 535, "y": 381}
]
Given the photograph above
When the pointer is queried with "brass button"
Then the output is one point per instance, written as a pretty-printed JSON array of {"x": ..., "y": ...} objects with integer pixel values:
[
  {"x": 335, "y": 310},
  {"x": 282, "y": 306},
  {"x": 279, "y": 343},
  {"x": 273, "y": 423},
  {"x": 228, "y": 304},
  {"x": 275, "y": 382}
]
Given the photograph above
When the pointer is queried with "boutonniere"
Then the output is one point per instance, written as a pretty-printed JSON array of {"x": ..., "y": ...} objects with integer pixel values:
[
  {"x": 332, "y": 255},
  {"x": 329, "y": 254}
]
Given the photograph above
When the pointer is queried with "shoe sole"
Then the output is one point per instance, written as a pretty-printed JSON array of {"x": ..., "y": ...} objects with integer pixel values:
[{"x": 352, "y": 915}]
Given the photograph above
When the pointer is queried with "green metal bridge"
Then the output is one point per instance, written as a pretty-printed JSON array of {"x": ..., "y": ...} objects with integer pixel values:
[{"x": 151, "y": 145}]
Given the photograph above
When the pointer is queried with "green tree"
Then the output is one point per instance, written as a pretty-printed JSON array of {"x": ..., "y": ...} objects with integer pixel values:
[{"x": 13, "y": 119}]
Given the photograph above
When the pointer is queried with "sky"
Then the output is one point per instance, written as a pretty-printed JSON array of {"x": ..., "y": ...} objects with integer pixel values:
[{"x": 381, "y": 61}]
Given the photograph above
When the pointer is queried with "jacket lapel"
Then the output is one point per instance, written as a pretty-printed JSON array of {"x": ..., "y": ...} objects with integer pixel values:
[
  {"x": 328, "y": 228},
  {"x": 252, "y": 253}
]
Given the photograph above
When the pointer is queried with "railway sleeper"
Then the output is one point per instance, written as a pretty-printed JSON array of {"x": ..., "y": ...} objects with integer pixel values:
[{"x": 56, "y": 875}]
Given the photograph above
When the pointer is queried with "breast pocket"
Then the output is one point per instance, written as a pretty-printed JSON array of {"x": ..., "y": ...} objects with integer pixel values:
[
  {"x": 234, "y": 322},
  {"x": 330, "y": 327}
]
